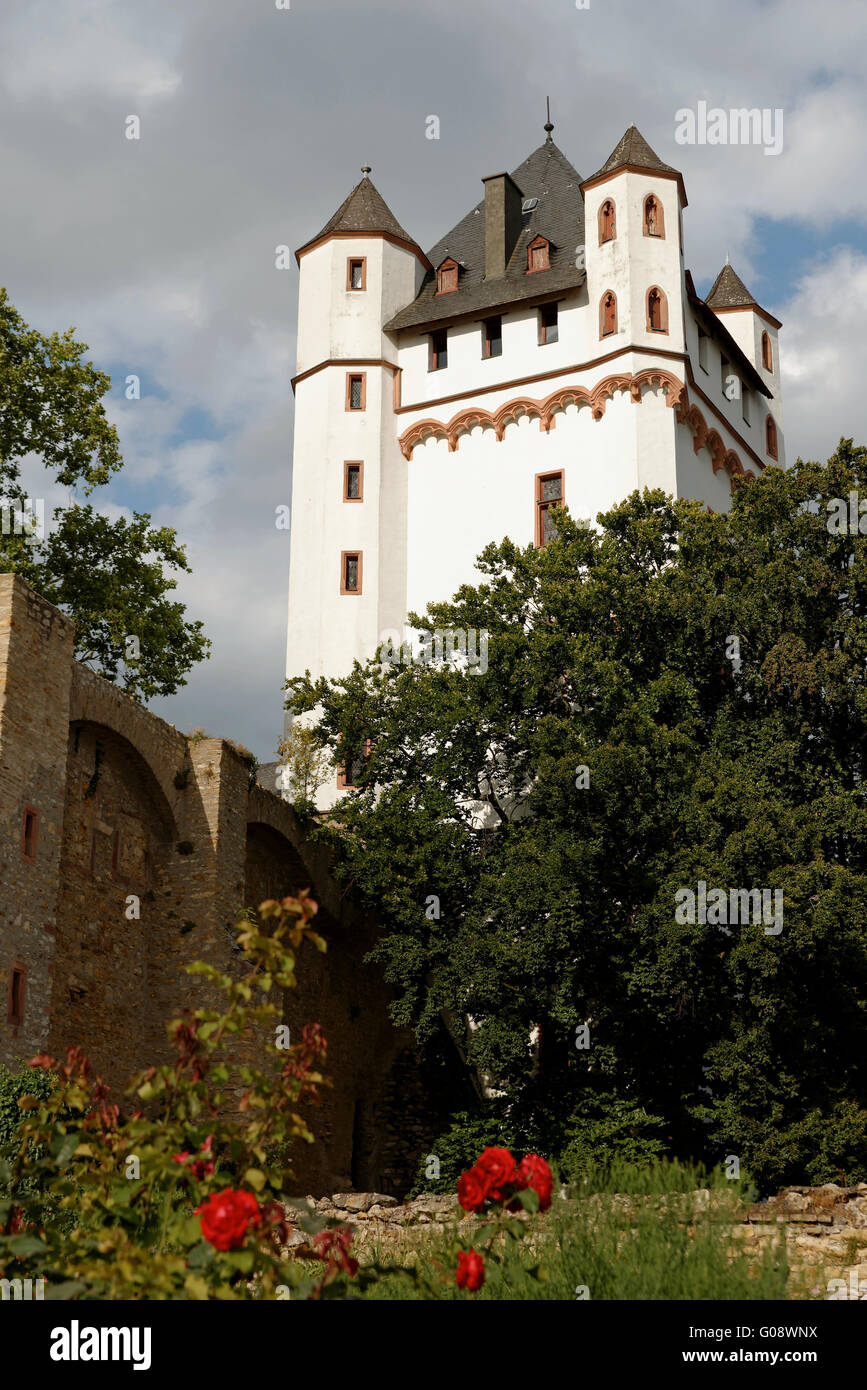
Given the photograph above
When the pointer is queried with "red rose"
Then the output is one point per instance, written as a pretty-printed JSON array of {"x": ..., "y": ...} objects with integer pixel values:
[
  {"x": 472, "y": 1189},
  {"x": 534, "y": 1172},
  {"x": 226, "y": 1218},
  {"x": 497, "y": 1168},
  {"x": 471, "y": 1271}
]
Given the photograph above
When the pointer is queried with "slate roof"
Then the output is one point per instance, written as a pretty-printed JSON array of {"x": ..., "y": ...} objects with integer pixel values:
[
  {"x": 715, "y": 327},
  {"x": 365, "y": 210},
  {"x": 559, "y": 216},
  {"x": 728, "y": 291},
  {"x": 632, "y": 148}
]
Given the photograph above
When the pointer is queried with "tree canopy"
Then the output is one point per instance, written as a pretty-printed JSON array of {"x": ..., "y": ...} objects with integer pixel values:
[
  {"x": 540, "y": 900},
  {"x": 108, "y": 575}
]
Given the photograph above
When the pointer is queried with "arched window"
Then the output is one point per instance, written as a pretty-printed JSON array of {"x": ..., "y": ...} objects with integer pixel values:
[
  {"x": 608, "y": 314},
  {"x": 654, "y": 221},
  {"x": 537, "y": 255},
  {"x": 657, "y": 311},
  {"x": 447, "y": 277},
  {"x": 771, "y": 436},
  {"x": 607, "y": 222},
  {"x": 767, "y": 353}
]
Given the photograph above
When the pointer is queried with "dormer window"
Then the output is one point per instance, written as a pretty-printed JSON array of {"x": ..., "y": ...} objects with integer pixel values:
[
  {"x": 447, "y": 277},
  {"x": 538, "y": 255},
  {"x": 607, "y": 222}
]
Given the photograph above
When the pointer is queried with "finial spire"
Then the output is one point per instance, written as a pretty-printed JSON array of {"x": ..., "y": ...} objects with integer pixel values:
[
  {"x": 548, "y": 125},
  {"x": 365, "y": 169}
]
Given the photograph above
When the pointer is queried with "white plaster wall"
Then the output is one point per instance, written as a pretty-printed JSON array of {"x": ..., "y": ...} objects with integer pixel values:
[
  {"x": 336, "y": 322},
  {"x": 633, "y": 263}
]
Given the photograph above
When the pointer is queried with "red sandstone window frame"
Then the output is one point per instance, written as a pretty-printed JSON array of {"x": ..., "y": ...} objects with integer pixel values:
[
  {"x": 767, "y": 352},
  {"x": 342, "y": 783},
  {"x": 345, "y": 556},
  {"x": 613, "y": 329},
  {"x": 771, "y": 442},
  {"x": 439, "y": 350},
  {"x": 29, "y": 834},
  {"x": 542, "y": 245},
  {"x": 489, "y": 337},
  {"x": 353, "y": 463},
  {"x": 356, "y": 376},
  {"x": 17, "y": 995},
  {"x": 360, "y": 261},
  {"x": 447, "y": 277},
  {"x": 606, "y": 220},
  {"x": 663, "y": 310},
  {"x": 543, "y": 504},
  {"x": 549, "y": 312},
  {"x": 660, "y": 217}
]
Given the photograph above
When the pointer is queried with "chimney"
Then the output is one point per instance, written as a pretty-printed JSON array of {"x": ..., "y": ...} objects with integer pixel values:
[{"x": 503, "y": 199}]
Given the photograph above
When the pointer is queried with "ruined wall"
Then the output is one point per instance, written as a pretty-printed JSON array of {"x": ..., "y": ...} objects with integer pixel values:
[{"x": 150, "y": 845}]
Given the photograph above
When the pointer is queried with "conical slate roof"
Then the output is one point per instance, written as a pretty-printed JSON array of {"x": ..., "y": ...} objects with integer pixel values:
[
  {"x": 728, "y": 291},
  {"x": 633, "y": 149},
  {"x": 365, "y": 211}
]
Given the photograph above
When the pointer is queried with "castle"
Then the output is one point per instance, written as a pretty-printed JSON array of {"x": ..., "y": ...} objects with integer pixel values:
[{"x": 550, "y": 348}]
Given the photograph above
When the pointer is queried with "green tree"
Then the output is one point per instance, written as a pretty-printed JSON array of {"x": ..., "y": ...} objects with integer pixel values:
[
  {"x": 109, "y": 576},
  {"x": 612, "y": 651}
]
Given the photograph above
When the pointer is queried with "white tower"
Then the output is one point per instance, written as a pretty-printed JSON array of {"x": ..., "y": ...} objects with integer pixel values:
[{"x": 348, "y": 526}]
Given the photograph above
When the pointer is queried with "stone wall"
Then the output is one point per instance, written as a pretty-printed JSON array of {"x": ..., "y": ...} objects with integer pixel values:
[
  {"x": 824, "y": 1228},
  {"x": 149, "y": 846}
]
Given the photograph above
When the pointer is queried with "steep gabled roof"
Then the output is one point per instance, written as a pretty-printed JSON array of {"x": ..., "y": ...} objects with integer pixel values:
[
  {"x": 558, "y": 216},
  {"x": 715, "y": 327},
  {"x": 366, "y": 212}
]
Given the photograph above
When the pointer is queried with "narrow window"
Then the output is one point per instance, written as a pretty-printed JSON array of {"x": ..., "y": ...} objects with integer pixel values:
[
  {"x": 350, "y": 571},
  {"x": 702, "y": 349},
  {"x": 356, "y": 273},
  {"x": 493, "y": 337},
  {"x": 356, "y": 390},
  {"x": 607, "y": 222},
  {"x": 353, "y": 481},
  {"x": 351, "y": 771},
  {"x": 548, "y": 324},
  {"x": 549, "y": 494},
  {"x": 17, "y": 991},
  {"x": 439, "y": 350},
  {"x": 767, "y": 354},
  {"x": 771, "y": 436},
  {"x": 745, "y": 404},
  {"x": 654, "y": 223},
  {"x": 608, "y": 314},
  {"x": 30, "y": 833},
  {"x": 447, "y": 277},
  {"x": 657, "y": 311},
  {"x": 724, "y": 372},
  {"x": 538, "y": 256}
]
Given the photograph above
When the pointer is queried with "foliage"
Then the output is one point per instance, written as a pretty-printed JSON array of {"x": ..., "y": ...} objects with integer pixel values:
[
  {"x": 610, "y": 651},
  {"x": 658, "y": 1231},
  {"x": 110, "y": 576},
  {"x": 180, "y": 1199},
  {"x": 306, "y": 765}
]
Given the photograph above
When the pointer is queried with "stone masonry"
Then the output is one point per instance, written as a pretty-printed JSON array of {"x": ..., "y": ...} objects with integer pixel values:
[{"x": 128, "y": 849}]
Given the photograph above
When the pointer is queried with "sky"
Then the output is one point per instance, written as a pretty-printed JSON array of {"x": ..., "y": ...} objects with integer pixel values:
[{"x": 255, "y": 119}]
